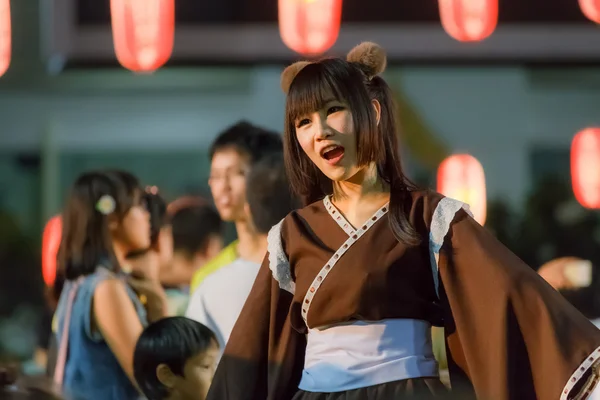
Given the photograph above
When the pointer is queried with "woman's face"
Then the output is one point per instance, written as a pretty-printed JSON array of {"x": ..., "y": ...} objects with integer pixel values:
[
  {"x": 133, "y": 231},
  {"x": 327, "y": 137}
]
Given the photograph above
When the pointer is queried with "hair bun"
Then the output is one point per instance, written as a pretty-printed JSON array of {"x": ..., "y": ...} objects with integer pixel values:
[
  {"x": 370, "y": 56},
  {"x": 288, "y": 74}
]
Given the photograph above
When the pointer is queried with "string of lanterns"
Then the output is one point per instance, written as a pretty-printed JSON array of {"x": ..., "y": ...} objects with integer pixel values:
[
  {"x": 143, "y": 34},
  {"x": 308, "y": 27},
  {"x": 144, "y": 30}
]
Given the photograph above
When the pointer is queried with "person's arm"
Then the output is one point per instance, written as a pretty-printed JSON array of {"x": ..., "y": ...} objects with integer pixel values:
[
  {"x": 508, "y": 331},
  {"x": 115, "y": 317},
  {"x": 173, "y": 276}
]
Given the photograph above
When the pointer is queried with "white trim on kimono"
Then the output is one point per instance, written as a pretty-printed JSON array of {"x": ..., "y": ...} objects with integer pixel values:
[
  {"x": 338, "y": 217},
  {"x": 442, "y": 218},
  {"x": 278, "y": 262},
  {"x": 579, "y": 372},
  {"x": 316, "y": 284}
]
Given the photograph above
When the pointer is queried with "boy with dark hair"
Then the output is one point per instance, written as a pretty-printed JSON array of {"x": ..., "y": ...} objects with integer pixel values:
[
  {"x": 218, "y": 301},
  {"x": 197, "y": 232},
  {"x": 232, "y": 154},
  {"x": 268, "y": 195},
  {"x": 175, "y": 359}
]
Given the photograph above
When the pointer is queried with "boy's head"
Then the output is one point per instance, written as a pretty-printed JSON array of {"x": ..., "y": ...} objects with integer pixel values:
[
  {"x": 175, "y": 357},
  {"x": 269, "y": 195},
  {"x": 197, "y": 233},
  {"x": 232, "y": 154}
]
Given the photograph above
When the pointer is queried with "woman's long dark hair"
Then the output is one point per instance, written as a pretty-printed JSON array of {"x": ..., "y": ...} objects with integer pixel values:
[
  {"x": 310, "y": 90},
  {"x": 86, "y": 240}
]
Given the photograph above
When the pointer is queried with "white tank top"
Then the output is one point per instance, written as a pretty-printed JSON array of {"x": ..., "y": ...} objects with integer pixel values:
[{"x": 361, "y": 354}]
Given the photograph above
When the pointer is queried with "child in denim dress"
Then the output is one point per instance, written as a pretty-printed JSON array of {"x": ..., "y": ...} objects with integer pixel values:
[{"x": 100, "y": 316}]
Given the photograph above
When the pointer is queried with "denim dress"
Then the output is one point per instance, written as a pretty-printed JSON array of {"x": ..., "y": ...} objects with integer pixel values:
[{"x": 92, "y": 372}]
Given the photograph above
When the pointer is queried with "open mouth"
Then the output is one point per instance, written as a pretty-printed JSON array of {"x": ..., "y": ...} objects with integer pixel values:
[{"x": 333, "y": 154}]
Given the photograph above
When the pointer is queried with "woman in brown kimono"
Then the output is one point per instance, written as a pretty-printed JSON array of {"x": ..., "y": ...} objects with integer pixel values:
[{"x": 343, "y": 305}]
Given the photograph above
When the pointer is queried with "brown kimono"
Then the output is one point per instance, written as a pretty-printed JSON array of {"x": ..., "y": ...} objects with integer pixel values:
[{"x": 509, "y": 335}]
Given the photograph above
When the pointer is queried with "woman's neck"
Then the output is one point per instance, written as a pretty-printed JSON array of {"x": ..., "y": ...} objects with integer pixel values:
[
  {"x": 120, "y": 253},
  {"x": 360, "y": 197},
  {"x": 366, "y": 184}
]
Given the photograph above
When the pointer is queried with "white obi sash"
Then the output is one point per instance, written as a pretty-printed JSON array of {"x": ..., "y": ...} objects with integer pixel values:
[{"x": 362, "y": 354}]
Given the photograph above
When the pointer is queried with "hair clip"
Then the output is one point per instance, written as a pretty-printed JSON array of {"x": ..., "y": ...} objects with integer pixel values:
[
  {"x": 106, "y": 204},
  {"x": 152, "y": 190}
]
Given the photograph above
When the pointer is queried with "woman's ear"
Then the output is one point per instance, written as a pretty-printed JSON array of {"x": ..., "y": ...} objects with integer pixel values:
[{"x": 377, "y": 108}]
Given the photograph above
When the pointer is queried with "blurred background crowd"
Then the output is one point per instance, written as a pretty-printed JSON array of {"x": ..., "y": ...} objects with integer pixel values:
[{"x": 499, "y": 107}]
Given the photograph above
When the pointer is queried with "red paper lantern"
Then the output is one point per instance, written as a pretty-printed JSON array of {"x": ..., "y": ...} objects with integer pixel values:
[
  {"x": 585, "y": 167},
  {"x": 50, "y": 244},
  {"x": 5, "y": 36},
  {"x": 469, "y": 20},
  {"x": 309, "y": 27},
  {"x": 461, "y": 177},
  {"x": 591, "y": 9},
  {"x": 143, "y": 32}
]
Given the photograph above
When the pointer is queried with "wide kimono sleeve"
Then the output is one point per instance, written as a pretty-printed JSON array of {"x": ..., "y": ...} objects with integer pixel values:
[
  {"x": 509, "y": 335},
  {"x": 264, "y": 356}
]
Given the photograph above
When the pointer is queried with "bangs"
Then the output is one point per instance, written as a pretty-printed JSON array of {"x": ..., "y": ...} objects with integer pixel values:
[{"x": 314, "y": 86}]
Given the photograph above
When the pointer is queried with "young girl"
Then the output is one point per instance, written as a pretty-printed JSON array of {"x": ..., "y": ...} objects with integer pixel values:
[
  {"x": 147, "y": 265},
  {"x": 100, "y": 317},
  {"x": 352, "y": 283},
  {"x": 160, "y": 253}
]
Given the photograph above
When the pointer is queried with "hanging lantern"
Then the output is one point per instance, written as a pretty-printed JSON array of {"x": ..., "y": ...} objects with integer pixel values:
[
  {"x": 143, "y": 32},
  {"x": 469, "y": 20},
  {"x": 5, "y": 36},
  {"x": 461, "y": 177},
  {"x": 309, "y": 27},
  {"x": 591, "y": 9},
  {"x": 585, "y": 167},
  {"x": 50, "y": 244}
]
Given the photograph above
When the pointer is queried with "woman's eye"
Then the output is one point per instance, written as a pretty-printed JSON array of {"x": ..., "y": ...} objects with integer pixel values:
[
  {"x": 334, "y": 109},
  {"x": 302, "y": 123}
]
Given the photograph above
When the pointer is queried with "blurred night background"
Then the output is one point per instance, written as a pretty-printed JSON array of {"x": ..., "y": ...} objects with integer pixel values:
[{"x": 513, "y": 101}]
